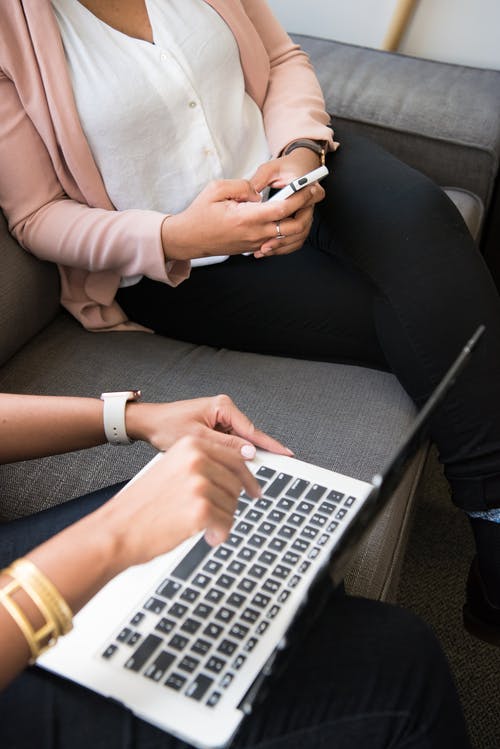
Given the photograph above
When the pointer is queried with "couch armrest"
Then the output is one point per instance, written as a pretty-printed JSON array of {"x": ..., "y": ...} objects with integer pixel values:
[
  {"x": 29, "y": 294},
  {"x": 440, "y": 118}
]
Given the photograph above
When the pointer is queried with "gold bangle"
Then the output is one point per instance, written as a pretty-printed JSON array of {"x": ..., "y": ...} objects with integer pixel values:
[
  {"x": 32, "y": 579},
  {"x": 38, "y": 640}
]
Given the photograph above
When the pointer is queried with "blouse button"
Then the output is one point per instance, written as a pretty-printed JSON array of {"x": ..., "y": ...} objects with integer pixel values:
[
  {"x": 192, "y": 104},
  {"x": 163, "y": 56}
]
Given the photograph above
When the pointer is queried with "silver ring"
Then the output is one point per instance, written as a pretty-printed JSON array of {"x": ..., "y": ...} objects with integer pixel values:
[{"x": 279, "y": 235}]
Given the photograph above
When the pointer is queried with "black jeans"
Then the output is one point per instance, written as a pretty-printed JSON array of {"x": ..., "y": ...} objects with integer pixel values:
[
  {"x": 366, "y": 675},
  {"x": 390, "y": 278}
]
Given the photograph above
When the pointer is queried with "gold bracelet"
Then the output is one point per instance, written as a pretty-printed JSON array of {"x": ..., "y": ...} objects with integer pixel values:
[
  {"x": 38, "y": 640},
  {"x": 32, "y": 579}
]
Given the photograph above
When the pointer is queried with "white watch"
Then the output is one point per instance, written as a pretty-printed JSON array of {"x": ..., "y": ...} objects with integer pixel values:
[{"x": 114, "y": 415}]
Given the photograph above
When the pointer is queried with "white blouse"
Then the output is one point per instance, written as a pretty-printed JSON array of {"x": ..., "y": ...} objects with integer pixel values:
[{"x": 158, "y": 121}]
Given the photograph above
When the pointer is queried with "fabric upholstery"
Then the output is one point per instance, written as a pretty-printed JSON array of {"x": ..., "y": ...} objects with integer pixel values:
[{"x": 440, "y": 118}]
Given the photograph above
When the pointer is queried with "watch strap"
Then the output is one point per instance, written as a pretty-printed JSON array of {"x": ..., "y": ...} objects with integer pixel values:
[
  {"x": 114, "y": 415},
  {"x": 318, "y": 147}
]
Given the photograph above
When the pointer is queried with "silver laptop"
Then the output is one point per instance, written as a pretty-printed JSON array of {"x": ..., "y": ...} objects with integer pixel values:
[{"x": 186, "y": 641}]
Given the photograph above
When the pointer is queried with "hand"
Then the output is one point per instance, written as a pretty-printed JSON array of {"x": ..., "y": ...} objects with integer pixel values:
[
  {"x": 228, "y": 218},
  {"x": 194, "y": 486},
  {"x": 216, "y": 419},
  {"x": 276, "y": 174}
]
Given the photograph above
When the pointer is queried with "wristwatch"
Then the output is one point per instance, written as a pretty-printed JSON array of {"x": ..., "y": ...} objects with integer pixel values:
[
  {"x": 317, "y": 146},
  {"x": 114, "y": 415}
]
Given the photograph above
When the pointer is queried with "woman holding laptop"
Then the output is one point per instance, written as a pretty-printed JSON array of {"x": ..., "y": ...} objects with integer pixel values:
[{"x": 365, "y": 674}]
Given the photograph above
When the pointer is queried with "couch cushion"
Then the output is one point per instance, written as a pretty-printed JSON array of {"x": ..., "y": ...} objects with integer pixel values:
[
  {"x": 346, "y": 418},
  {"x": 439, "y": 118},
  {"x": 29, "y": 294}
]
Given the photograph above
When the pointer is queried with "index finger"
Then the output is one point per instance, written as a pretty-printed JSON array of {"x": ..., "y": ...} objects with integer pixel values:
[{"x": 231, "y": 418}]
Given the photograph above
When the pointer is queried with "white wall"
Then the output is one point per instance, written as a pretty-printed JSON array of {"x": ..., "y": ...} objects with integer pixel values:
[{"x": 463, "y": 31}]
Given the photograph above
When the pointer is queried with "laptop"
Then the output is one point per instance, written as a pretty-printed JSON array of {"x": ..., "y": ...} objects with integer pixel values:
[{"x": 187, "y": 640}]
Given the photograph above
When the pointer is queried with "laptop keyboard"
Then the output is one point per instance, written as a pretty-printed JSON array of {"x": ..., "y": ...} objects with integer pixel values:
[{"x": 196, "y": 630}]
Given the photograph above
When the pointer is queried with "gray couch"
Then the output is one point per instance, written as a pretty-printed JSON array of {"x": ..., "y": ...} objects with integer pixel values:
[{"x": 440, "y": 118}]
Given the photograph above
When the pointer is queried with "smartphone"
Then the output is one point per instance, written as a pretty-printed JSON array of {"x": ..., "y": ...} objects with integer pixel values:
[{"x": 300, "y": 182}]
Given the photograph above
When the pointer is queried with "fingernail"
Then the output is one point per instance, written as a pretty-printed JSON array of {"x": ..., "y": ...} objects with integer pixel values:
[
  {"x": 248, "y": 452},
  {"x": 290, "y": 452}
]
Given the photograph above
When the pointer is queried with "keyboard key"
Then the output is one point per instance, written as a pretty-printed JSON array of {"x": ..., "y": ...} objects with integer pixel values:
[
  {"x": 225, "y": 581},
  {"x": 214, "y": 595},
  {"x": 250, "y": 615},
  {"x": 261, "y": 628},
  {"x": 201, "y": 647},
  {"x": 304, "y": 507},
  {"x": 291, "y": 558},
  {"x": 154, "y": 605},
  {"x": 236, "y": 600},
  {"x": 334, "y": 496},
  {"x": 278, "y": 485},
  {"x": 263, "y": 504},
  {"x": 137, "y": 619},
  {"x": 247, "y": 585},
  {"x": 238, "y": 662},
  {"x": 250, "y": 644},
  {"x": 266, "y": 528},
  {"x": 168, "y": 588},
  {"x": 300, "y": 545},
  {"x": 213, "y": 699},
  {"x": 190, "y": 595},
  {"x": 201, "y": 580},
  {"x": 178, "y": 642},
  {"x": 189, "y": 663},
  {"x": 176, "y": 681},
  {"x": 134, "y": 639},
  {"x": 277, "y": 544},
  {"x": 203, "y": 611},
  {"x": 276, "y": 516},
  {"x": 287, "y": 531},
  {"x": 227, "y": 647},
  {"x": 223, "y": 552},
  {"x": 198, "y": 688},
  {"x": 165, "y": 625},
  {"x": 294, "y": 581},
  {"x": 273, "y": 612},
  {"x": 332, "y": 526},
  {"x": 192, "y": 560},
  {"x": 110, "y": 651},
  {"x": 257, "y": 540},
  {"x": 212, "y": 567},
  {"x": 257, "y": 570},
  {"x": 285, "y": 504},
  {"x": 313, "y": 553},
  {"x": 319, "y": 520},
  {"x": 226, "y": 680},
  {"x": 224, "y": 614},
  {"x": 309, "y": 532},
  {"x": 213, "y": 630},
  {"x": 265, "y": 472},
  {"x": 340, "y": 514},
  {"x": 159, "y": 666},
  {"x": 191, "y": 626},
  {"x": 303, "y": 567},
  {"x": 246, "y": 553},
  {"x": 283, "y": 596},
  {"x": 253, "y": 516},
  {"x": 260, "y": 600},
  {"x": 315, "y": 492},
  {"x": 271, "y": 585},
  {"x": 326, "y": 508},
  {"x": 244, "y": 528},
  {"x": 240, "y": 508},
  {"x": 143, "y": 653},
  {"x": 281, "y": 572},
  {"x": 178, "y": 610},
  {"x": 124, "y": 634},
  {"x": 297, "y": 489},
  {"x": 214, "y": 664},
  {"x": 323, "y": 539},
  {"x": 267, "y": 557},
  {"x": 349, "y": 501},
  {"x": 234, "y": 540},
  {"x": 239, "y": 631},
  {"x": 236, "y": 567}
]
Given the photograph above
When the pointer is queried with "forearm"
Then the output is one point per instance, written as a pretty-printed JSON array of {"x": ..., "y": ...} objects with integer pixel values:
[
  {"x": 36, "y": 426},
  {"x": 78, "y": 561}
]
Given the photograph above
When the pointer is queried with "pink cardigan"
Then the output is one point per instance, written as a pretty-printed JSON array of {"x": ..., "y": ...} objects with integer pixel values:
[{"x": 50, "y": 188}]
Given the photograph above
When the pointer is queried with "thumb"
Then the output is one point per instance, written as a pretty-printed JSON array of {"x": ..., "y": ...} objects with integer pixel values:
[{"x": 240, "y": 190}]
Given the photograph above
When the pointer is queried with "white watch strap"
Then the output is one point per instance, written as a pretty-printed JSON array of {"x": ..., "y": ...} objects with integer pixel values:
[{"x": 114, "y": 415}]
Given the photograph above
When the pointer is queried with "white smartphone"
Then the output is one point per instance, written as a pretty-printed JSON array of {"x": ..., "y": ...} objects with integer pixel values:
[{"x": 300, "y": 182}]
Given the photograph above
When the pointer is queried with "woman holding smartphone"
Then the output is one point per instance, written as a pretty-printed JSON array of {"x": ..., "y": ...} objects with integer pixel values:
[{"x": 136, "y": 142}]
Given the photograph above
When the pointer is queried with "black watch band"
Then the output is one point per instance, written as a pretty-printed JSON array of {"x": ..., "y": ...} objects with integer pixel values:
[{"x": 317, "y": 146}]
